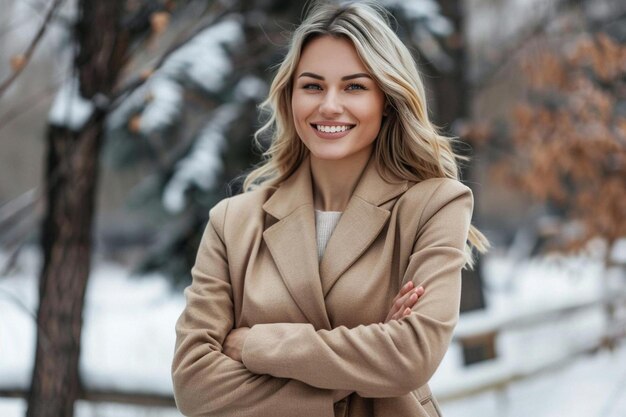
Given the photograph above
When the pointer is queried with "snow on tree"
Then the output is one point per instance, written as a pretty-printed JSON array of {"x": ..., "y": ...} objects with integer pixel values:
[
  {"x": 69, "y": 108},
  {"x": 427, "y": 26}
]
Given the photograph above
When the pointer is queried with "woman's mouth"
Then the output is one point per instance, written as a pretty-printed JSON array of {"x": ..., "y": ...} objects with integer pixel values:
[
  {"x": 333, "y": 128},
  {"x": 331, "y": 131}
]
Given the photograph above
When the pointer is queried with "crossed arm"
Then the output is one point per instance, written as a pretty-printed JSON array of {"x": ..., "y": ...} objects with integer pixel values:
[{"x": 400, "y": 307}]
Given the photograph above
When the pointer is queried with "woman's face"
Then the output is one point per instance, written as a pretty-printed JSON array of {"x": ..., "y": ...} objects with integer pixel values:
[{"x": 337, "y": 106}]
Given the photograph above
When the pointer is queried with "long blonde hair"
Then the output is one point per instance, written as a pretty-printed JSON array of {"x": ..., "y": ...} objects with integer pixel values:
[{"x": 408, "y": 146}]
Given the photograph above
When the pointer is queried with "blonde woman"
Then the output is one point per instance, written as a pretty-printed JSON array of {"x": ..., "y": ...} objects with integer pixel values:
[{"x": 304, "y": 299}]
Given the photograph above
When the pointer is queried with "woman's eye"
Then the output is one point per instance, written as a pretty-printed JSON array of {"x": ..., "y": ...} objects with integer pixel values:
[
  {"x": 311, "y": 87},
  {"x": 356, "y": 86}
]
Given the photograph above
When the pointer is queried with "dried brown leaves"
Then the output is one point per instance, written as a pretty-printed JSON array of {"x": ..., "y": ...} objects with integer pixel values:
[{"x": 568, "y": 138}]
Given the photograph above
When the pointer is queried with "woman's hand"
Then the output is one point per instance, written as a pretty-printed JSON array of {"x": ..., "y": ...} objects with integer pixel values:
[
  {"x": 233, "y": 344},
  {"x": 404, "y": 301}
]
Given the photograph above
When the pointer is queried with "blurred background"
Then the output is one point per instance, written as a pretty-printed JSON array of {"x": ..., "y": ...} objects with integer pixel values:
[{"x": 122, "y": 122}]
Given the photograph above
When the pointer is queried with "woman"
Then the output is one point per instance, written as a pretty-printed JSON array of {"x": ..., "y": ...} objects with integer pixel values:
[{"x": 282, "y": 320}]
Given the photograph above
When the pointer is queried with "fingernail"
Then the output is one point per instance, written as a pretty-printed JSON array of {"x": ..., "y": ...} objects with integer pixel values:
[{"x": 408, "y": 284}]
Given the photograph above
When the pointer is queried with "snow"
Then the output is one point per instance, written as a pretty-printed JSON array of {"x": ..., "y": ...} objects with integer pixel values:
[
  {"x": 203, "y": 164},
  {"x": 523, "y": 302},
  {"x": 250, "y": 88},
  {"x": 69, "y": 108},
  {"x": 428, "y": 23},
  {"x": 128, "y": 329},
  {"x": 591, "y": 387},
  {"x": 132, "y": 104},
  {"x": 128, "y": 340},
  {"x": 204, "y": 60},
  {"x": 423, "y": 11},
  {"x": 164, "y": 105},
  {"x": 17, "y": 408},
  {"x": 159, "y": 102}
]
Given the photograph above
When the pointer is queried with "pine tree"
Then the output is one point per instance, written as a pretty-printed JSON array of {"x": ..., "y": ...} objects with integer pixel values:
[{"x": 213, "y": 145}]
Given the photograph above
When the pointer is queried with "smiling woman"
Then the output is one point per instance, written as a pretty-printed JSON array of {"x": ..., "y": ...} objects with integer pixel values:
[{"x": 331, "y": 286}]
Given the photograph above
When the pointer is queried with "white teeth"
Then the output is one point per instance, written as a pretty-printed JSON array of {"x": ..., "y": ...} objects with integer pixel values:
[{"x": 333, "y": 129}]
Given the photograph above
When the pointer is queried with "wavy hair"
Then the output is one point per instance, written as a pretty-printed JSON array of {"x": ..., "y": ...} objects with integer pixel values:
[{"x": 408, "y": 146}]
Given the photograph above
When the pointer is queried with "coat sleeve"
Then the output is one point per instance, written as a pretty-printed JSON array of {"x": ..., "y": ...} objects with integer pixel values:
[
  {"x": 207, "y": 382},
  {"x": 387, "y": 359}
]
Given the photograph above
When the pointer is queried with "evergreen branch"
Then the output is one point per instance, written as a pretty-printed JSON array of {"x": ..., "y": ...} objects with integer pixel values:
[
  {"x": 139, "y": 80},
  {"x": 31, "y": 48}
]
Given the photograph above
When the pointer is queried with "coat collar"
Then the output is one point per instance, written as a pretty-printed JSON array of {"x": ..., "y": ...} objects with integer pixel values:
[
  {"x": 297, "y": 190},
  {"x": 292, "y": 240}
]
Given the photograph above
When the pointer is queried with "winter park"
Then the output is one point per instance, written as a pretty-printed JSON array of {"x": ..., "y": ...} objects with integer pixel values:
[{"x": 123, "y": 123}]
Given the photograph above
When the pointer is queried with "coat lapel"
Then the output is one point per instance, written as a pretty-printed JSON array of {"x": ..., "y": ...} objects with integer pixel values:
[
  {"x": 292, "y": 239},
  {"x": 292, "y": 243},
  {"x": 360, "y": 224}
]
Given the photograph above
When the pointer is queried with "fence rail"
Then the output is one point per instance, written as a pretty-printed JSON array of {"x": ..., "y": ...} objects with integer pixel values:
[
  {"x": 106, "y": 396},
  {"x": 497, "y": 374}
]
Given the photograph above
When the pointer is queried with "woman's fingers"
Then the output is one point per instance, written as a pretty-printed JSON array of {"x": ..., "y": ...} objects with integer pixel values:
[
  {"x": 411, "y": 301},
  {"x": 403, "y": 303},
  {"x": 405, "y": 289},
  {"x": 396, "y": 303}
]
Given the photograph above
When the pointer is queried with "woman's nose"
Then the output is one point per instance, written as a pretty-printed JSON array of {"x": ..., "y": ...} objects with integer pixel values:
[{"x": 331, "y": 104}]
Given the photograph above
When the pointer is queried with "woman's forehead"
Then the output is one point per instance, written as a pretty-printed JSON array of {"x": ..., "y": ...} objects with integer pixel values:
[{"x": 331, "y": 55}]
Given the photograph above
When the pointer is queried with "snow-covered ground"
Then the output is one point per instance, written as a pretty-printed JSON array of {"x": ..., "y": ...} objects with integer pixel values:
[
  {"x": 589, "y": 385},
  {"x": 128, "y": 340}
]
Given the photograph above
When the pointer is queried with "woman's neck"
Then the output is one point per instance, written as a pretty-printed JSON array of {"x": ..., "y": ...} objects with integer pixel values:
[{"x": 334, "y": 181}]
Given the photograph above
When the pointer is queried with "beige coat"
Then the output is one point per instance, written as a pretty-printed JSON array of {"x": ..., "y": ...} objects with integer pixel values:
[{"x": 318, "y": 326}]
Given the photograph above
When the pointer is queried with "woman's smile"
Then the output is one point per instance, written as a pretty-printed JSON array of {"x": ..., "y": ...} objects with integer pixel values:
[{"x": 331, "y": 130}]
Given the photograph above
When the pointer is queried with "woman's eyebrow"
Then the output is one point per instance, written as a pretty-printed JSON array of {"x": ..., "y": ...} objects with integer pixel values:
[{"x": 344, "y": 78}]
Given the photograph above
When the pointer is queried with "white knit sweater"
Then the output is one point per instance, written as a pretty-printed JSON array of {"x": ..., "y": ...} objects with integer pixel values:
[{"x": 325, "y": 222}]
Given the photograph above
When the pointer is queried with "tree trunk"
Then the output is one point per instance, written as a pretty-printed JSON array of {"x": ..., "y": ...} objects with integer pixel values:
[
  {"x": 70, "y": 186},
  {"x": 66, "y": 240},
  {"x": 451, "y": 104},
  {"x": 451, "y": 89}
]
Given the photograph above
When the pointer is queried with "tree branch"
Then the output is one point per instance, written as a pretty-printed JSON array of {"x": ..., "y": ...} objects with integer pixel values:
[
  {"x": 512, "y": 50},
  {"x": 31, "y": 48},
  {"x": 215, "y": 15}
]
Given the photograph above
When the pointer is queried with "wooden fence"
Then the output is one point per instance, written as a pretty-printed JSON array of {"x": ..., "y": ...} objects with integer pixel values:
[{"x": 496, "y": 374}]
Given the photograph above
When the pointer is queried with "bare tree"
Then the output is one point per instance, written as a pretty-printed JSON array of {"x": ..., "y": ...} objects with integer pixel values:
[{"x": 70, "y": 185}]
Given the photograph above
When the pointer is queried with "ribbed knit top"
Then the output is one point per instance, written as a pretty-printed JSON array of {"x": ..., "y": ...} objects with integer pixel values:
[{"x": 325, "y": 223}]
